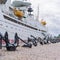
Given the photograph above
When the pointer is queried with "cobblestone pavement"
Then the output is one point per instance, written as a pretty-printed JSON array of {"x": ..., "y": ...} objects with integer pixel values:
[{"x": 41, "y": 52}]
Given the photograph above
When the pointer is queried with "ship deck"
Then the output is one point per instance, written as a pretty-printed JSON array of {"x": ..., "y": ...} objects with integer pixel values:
[{"x": 20, "y": 23}]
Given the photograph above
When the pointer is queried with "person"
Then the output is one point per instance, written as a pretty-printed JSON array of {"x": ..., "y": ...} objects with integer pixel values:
[{"x": 1, "y": 41}]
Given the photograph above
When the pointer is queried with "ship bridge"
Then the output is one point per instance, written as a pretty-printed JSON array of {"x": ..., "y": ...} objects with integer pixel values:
[{"x": 20, "y": 3}]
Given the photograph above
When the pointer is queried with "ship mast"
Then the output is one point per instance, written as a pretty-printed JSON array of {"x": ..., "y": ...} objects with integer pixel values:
[
  {"x": 38, "y": 11},
  {"x": 37, "y": 18}
]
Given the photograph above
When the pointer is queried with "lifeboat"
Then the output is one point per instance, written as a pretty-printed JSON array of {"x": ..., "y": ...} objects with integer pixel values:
[
  {"x": 18, "y": 13},
  {"x": 43, "y": 22}
]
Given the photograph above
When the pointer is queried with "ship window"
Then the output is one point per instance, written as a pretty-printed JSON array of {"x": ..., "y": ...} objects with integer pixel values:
[
  {"x": 19, "y": 29},
  {"x": 6, "y": 26},
  {"x": 1, "y": 24},
  {"x": 11, "y": 27},
  {"x": 15, "y": 28},
  {"x": 3, "y": 1}
]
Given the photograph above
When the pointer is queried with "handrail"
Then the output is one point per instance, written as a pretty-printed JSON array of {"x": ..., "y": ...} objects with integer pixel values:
[{"x": 18, "y": 22}]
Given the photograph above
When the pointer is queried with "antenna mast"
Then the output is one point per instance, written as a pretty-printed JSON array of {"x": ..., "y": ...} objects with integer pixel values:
[{"x": 37, "y": 18}]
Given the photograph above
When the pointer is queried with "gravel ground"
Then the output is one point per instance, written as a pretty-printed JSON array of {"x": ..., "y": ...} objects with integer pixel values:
[{"x": 41, "y": 52}]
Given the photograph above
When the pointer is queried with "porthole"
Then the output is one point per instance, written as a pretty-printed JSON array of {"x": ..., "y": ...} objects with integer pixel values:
[
  {"x": 11, "y": 27},
  {"x": 1, "y": 24},
  {"x": 6, "y": 26}
]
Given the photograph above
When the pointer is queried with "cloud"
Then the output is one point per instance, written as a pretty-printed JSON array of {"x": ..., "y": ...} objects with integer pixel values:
[{"x": 49, "y": 11}]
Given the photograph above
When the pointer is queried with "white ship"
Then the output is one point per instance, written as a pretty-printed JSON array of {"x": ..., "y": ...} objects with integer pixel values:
[{"x": 23, "y": 26}]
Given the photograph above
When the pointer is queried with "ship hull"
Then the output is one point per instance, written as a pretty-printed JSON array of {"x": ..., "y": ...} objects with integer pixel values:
[
  {"x": 13, "y": 26},
  {"x": 23, "y": 31}
]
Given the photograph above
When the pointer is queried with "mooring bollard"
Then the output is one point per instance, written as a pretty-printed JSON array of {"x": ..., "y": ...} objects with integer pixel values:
[
  {"x": 16, "y": 39},
  {"x": 9, "y": 46},
  {"x": 26, "y": 43},
  {"x": 34, "y": 40}
]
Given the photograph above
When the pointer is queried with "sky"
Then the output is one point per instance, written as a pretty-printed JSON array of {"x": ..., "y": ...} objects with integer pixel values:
[{"x": 49, "y": 10}]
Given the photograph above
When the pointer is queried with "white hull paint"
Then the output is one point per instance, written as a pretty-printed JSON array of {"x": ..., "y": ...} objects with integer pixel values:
[{"x": 23, "y": 31}]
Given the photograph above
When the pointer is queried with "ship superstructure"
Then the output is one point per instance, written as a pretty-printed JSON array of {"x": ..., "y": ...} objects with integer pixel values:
[{"x": 24, "y": 26}]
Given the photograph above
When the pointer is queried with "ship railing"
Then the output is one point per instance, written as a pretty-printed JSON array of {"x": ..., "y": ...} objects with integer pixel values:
[{"x": 19, "y": 22}]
